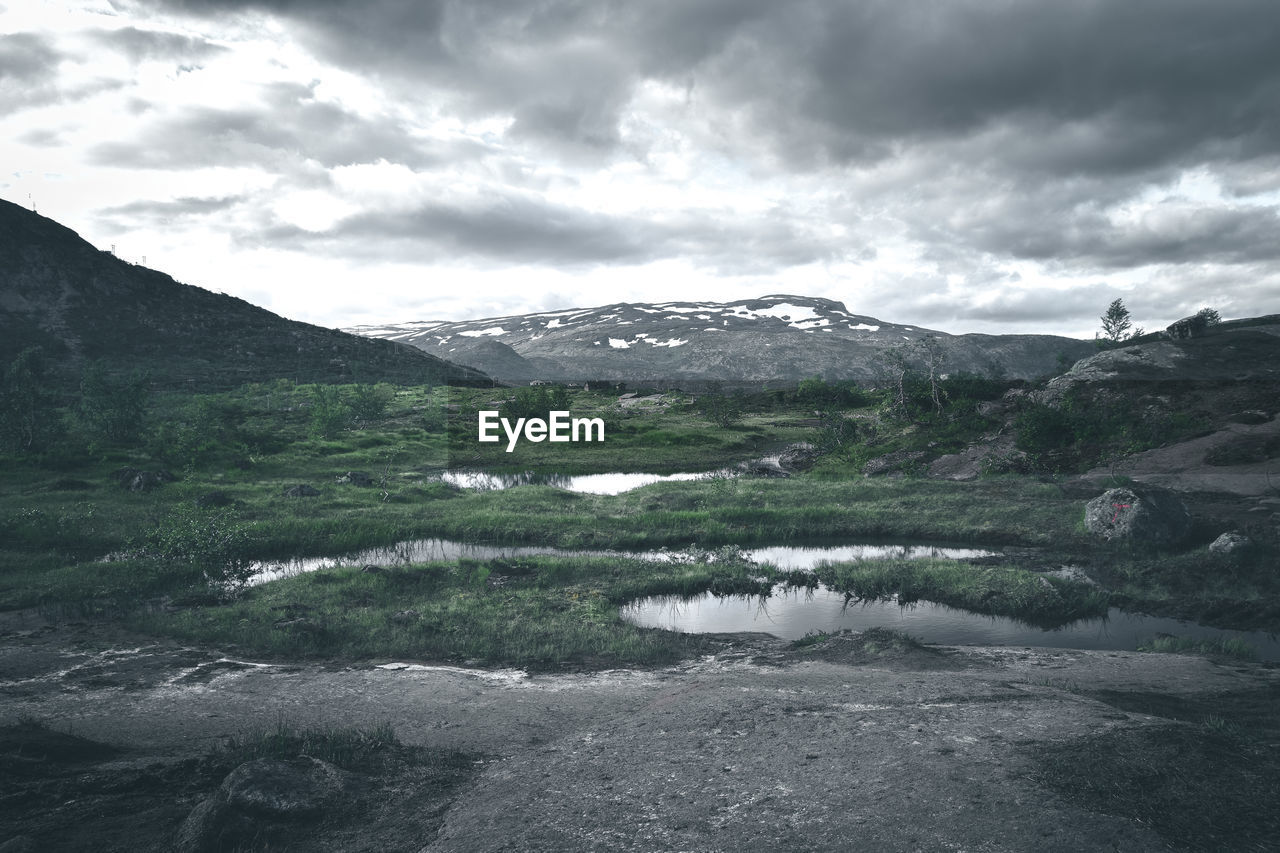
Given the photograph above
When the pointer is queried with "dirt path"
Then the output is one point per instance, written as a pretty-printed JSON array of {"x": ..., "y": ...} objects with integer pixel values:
[{"x": 756, "y": 748}]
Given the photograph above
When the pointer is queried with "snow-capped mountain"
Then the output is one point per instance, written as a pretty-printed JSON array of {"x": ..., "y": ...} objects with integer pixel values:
[{"x": 773, "y": 338}]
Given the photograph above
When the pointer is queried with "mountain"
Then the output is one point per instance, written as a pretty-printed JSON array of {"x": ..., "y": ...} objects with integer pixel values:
[
  {"x": 770, "y": 339},
  {"x": 80, "y": 303}
]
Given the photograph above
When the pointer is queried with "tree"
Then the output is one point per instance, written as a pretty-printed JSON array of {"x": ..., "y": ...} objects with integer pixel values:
[
  {"x": 28, "y": 414},
  {"x": 1211, "y": 316},
  {"x": 112, "y": 408},
  {"x": 1115, "y": 323}
]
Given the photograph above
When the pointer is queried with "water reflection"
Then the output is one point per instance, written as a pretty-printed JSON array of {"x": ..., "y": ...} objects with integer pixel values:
[
  {"x": 786, "y": 557},
  {"x": 791, "y": 613},
  {"x": 595, "y": 484}
]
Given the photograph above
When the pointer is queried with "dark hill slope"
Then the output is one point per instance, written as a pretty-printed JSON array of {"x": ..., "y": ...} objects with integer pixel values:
[{"x": 80, "y": 303}]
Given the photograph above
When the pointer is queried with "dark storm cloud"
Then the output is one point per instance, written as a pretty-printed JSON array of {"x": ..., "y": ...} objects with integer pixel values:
[
  {"x": 136, "y": 214},
  {"x": 1015, "y": 128},
  {"x": 829, "y": 80},
  {"x": 25, "y": 57},
  {"x": 29, "y": 75},
  {"x": 519, "y": 229},
  {"x": 289, "y": 125},
  {"x": 139, "y": 45},
  {"x": 28, "y": 67}
]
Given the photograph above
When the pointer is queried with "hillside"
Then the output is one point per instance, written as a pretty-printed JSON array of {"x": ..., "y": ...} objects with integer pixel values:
[
  {"x": 774, "y": 338},
  {"x": 80, "y": 303}
]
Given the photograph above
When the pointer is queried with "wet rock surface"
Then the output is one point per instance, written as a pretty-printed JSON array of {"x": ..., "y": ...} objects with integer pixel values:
[{"x": 845, "y": 743}]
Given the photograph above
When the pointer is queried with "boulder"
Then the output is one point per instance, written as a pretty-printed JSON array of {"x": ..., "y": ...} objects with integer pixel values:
[
  {"x": 893, "y": 462},
  {"x": 136, "y": 480},
  {"x": 762, "y": 468},
  {"x": 271, "y": 787},
  {"x": 406, "y": 617},
  {"x": 1138, "y": 514},
  {"x": 798, "y": 457},
  {"x": 356, "y": 478},
  {"x": 1231, "y": 545},
  {"x": 301, "y": 491},
  {"x": 258, "y": 801}
]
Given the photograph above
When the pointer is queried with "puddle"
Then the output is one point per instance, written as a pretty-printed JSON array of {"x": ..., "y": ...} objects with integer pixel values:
[
  {"x": 786, "y": 557},
  {"x": 593, "y": 484},
  {"x": 792, "y": 613}
]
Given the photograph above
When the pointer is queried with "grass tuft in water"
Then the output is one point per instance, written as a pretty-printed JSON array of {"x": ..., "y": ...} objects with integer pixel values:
[{"x": 1232, "y": 647}]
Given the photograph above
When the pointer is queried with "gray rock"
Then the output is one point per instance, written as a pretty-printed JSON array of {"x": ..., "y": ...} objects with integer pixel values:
[
  {"x": 798, "y": 457},
  {"x": 212, "y": 825},
  {"x": 406, "y": 617},
  {"x": 1188, "y": 327},
  {"x": 301, "y": 491},
  {"x": 293, "y": 788},
  {"x": 893, "y": 462},
  {"x": 1138, "y": 514},
  {"x": 1231, "y": 545},
  {"x": 136, "y": 480},
  {"x": 762, "y": 468}
]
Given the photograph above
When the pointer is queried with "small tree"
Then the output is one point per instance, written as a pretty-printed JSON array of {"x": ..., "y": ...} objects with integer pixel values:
[
  {"x": 1211, "y": 316},
  {"x": 1115, "y": 323},
  {"x": 329, "y": 414},
  {"x": 111, "y": 408},
  {"x": 28, "y": 414}
]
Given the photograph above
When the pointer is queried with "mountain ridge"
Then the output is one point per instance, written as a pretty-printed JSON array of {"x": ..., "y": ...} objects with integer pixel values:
[{"x": 777, "y": 337}]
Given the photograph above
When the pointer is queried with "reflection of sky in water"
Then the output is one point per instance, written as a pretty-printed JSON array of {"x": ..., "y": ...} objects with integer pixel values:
[
  {"x": 595, "y": 484},
  {"x": 442, "y": 550},
  {"x": 790, "y": 614}
]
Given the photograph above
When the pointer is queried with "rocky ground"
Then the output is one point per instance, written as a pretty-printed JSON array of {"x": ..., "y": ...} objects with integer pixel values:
[{"x": 855, "y": 743}]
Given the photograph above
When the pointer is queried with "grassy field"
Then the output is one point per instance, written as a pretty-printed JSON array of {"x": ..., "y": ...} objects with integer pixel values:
[{"x": 74, "y": 537}]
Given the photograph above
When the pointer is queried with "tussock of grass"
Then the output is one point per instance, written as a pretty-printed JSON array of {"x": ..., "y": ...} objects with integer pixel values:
[
  {"x": 345, "y": 747},
  {"x": 1224, "y": 646},
  {"x": 997, "y": 590}
]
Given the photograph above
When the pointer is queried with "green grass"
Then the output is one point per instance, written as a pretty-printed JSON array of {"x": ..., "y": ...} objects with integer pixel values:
[
  {"x": 1045, "y": 602},
  {"x": 61, "y": 512},
  {"x": 538, "y": 612},
  {"x": 1223, "y": 646},
  {"x": 344, "y": 747}
]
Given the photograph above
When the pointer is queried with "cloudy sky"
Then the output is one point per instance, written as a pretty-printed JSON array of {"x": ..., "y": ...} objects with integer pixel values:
[{"x": 968, "y": 165}]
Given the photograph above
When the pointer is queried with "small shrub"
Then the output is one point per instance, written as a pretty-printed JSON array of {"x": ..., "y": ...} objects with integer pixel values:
[{"x": 212, "y": 544}]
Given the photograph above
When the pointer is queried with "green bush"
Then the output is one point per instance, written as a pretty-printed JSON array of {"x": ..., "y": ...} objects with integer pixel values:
[
  {"x": 208, "y": 542},
  {"x": 329, "y": 414},
  {"x": 112, "y": 408}
]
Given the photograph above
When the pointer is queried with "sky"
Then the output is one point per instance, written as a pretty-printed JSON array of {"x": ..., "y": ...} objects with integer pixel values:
[{"x": 967, "y": 165}]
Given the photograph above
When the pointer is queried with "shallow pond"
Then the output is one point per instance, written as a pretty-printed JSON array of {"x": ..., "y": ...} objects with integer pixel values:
[
  {"x": 791, "y": 613},
  {"x": 595, "y": 484},
  {"x": 444, "y": 550}
]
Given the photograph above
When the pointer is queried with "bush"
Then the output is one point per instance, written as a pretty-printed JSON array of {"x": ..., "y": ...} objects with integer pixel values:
[
  {"x": 211, "y": 543},
  {"x": 1041, "y": 427},
  {"x": 369, "y": 403},
  {"x": 721, "y": 410},
  {"x": 112, "y": 408},
  {"x": 329, "y": 414},
  {"x": 28, "y": 416}
]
